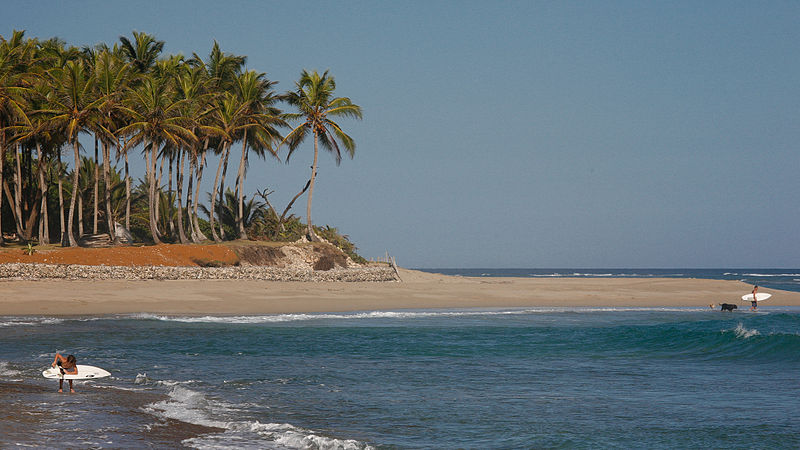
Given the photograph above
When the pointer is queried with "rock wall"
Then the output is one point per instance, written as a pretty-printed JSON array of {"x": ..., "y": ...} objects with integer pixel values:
[{"x": 23, "y": 271}]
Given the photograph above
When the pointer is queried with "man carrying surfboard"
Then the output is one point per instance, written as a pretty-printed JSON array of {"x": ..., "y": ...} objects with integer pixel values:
[
  {"x": 68, "y": 365},
  {"x": 754, "y": 303}
]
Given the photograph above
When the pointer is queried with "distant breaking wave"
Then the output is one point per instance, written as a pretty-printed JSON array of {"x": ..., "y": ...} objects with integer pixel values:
[
  {"x": 22, "y": 321},
  {"x": 278, "y": 318}
]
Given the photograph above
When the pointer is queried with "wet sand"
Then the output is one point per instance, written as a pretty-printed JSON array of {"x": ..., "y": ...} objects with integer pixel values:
[{"x": 418, "y": 290}]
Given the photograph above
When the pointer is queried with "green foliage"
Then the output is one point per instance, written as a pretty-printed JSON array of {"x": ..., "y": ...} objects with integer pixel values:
[
  {"x": 131, "y": 98},
  {"x": 342, "y": 241},
  {"x": 252, "y": 211},
  {"x": 266, "y": 228}
]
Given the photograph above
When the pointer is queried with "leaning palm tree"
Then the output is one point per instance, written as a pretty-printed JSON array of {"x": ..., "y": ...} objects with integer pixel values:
[{"x": 313, "y": 98}]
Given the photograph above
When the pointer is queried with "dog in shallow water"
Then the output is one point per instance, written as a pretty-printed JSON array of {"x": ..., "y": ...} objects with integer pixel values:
[{"x": 728, "y": 307}]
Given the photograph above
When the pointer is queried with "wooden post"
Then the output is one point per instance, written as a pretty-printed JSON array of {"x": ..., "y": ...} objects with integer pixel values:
[{"x": 393, "y": 263}]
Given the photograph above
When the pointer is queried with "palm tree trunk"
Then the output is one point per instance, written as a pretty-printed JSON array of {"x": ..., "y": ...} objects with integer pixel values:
[
  {"x": 157, "y": 195},
  {"x": 76, "y": 149},
  {"x": 171, "y": 204},
  {"x": 200, "y": 168},
  {"x": 222, "y": 188},
  {"x": 213, "y": 210},
  {"x": 18, "y": 196},
  {"x": 310, "y": 228},
  {"x": 96, "y": 184},
  {"x": 181, "y": 231},
  {"x": 2, "y": 158},
  {"x": 44, "y": 232},
  {"x": 239, "y": 182},
  {"x": 80, "y": 214},
  {"x": 127, "y": 193},
  {"x": 112, "y": 234},
  {"x": 192, "y": 163},
  {"x": 64, "y": 239},
  {"x": 151, "y": 178}
]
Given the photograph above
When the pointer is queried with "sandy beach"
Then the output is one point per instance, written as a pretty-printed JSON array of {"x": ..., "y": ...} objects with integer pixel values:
[{"x": 418, "y": 290}]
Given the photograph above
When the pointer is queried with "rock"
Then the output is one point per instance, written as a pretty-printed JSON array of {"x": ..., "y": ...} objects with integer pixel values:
[{"x": 25, "y": 271}]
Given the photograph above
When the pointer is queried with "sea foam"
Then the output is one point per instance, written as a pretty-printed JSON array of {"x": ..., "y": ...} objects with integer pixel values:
[
  {"x": 280, "y": 318},
  {"x": 743, "y": 332},
  {"x": 21, "y": 321},
  {"x": 188, "y": 405}
]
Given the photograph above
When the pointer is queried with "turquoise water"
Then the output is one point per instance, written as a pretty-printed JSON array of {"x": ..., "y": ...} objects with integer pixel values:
[{"x": 512, "y": 378}]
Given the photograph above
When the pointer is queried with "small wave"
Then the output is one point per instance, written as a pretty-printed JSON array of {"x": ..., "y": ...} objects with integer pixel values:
[
  {"x": 279, "y": 318},
  {"x": 6, "y": 371},
  {"x": 191, "y": 406},
  {"x": 767, "y": 275},
  {"x": 22, "y": 321},
  {"x": 605, "y": 275},
  {"x": 743, "y": 332}
]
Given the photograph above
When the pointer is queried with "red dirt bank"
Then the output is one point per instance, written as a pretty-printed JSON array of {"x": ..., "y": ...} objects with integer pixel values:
[{"x": 153, "y": 255}]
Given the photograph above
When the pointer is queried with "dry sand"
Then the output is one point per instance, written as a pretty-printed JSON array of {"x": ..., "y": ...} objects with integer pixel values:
[{"x": 418, "y": 290}]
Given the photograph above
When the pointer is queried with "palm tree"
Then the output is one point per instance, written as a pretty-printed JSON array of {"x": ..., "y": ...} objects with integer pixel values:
[
  {"x": 255, "y": 92},
  {"x": 34, "y": 132},
  {"x": 143, "y": 52},
  {"x": 112, "y": 75},
  {"x": 74, "y": 107},
  {"x": 14, "y": 69},
  {"x": 222, "y": 70},
  {"x": 155, "y": 119},
  {"x": 227, "y": 117},
  {"x": 191, "y": 88},
  {"x": 313, "y": 98}
]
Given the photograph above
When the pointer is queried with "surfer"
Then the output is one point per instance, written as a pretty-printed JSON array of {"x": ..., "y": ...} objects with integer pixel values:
[
  {"x": 68, "y": 365},
  {"x": 754, "y": 303}
]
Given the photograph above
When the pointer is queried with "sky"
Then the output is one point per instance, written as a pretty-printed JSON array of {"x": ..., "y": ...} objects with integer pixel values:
[{"x": 539, "y": 134}]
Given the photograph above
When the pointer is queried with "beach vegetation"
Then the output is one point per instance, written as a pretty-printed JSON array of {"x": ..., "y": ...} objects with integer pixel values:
[{"x": 172, "y": 113}]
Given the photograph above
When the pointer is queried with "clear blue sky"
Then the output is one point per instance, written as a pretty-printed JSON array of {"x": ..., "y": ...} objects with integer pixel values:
[{"x": 521, "y": 134}]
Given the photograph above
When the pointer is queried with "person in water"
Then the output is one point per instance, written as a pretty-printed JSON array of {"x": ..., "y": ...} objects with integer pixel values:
[
  {"x": 754, "y": 303},
  {"x": 68, "y": 366}
]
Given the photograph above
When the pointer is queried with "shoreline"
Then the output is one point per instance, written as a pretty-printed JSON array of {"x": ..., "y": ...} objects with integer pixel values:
[{"x": 418, "y": 290}]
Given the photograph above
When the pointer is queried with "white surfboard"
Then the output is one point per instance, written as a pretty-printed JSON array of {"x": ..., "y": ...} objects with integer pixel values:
[
  {"x": 84, "y": 373},
  {"x": 760, "y": 297}
]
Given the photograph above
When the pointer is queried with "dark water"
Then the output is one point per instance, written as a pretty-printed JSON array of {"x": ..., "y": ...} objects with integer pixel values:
[
  {"x": 785, "y": 279},
  {"x": 515, "y": 378}
]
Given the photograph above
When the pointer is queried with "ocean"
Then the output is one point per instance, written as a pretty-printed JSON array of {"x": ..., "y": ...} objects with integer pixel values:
[{"x": 469, "y": 378}]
